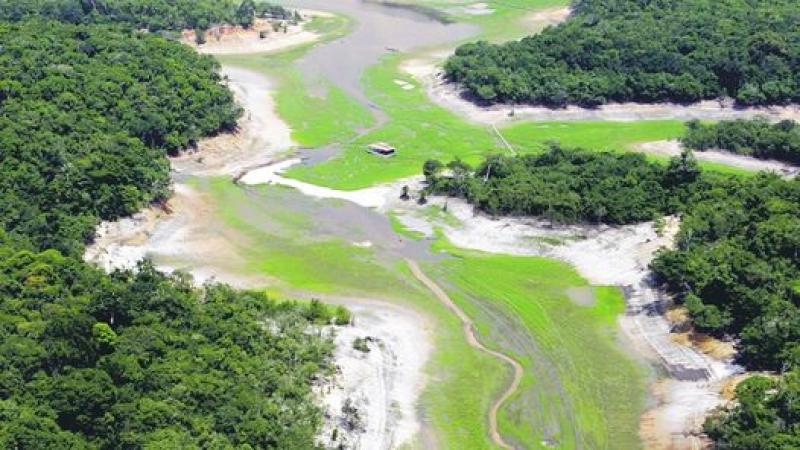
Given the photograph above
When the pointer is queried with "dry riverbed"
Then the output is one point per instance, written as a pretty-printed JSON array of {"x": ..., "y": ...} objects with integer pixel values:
[{"x": 381, "y": 386}]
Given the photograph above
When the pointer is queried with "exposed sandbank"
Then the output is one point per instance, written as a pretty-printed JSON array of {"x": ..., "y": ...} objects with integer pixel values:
[
  {"x": 674, "y": 148},
  {"x": 235, "y": 40}
]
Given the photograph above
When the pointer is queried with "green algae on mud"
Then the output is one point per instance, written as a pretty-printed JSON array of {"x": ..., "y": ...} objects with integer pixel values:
[
  {"x": 317, "y": 112},
  {"x": 422, "y": 130}
]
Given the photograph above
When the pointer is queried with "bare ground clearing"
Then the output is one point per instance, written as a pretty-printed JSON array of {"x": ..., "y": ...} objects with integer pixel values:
[{"x": 235, "y": 40}]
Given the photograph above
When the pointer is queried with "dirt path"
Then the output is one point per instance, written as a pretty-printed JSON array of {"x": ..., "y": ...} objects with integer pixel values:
[{"x": 472, "y": 339}]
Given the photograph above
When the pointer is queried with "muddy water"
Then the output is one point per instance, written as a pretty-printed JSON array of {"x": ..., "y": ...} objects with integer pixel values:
[{"x": 379, "y": 30}]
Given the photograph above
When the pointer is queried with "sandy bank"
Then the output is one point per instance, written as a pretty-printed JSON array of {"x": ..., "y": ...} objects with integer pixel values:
[
  {"x": 450, "y": 96},
  {"x": 235, "y": 40},
  {"x": 373, "y": 197},
  {"x": 261, "y": 133},
  {"x": 674, "y": 148},
  {"x": 380, "y": 385}
]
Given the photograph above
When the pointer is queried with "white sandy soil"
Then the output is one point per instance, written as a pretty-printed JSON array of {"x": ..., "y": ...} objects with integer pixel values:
[
  {"x": 674, "y": 148},
  {"x": 261, "y": 134},
  {"x": 374, "y": 197},
  {"x": 382, "y": 383}
]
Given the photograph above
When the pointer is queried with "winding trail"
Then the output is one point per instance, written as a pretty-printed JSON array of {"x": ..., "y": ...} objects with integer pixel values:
[{"x": 472, "y": 339}]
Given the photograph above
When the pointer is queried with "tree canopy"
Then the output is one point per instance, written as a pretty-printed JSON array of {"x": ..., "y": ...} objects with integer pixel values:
[
  {"x": 766, "y": 415},
  {"x": 132, "y": 359},
  {"x": 153, "y": 15},
  {"x": 569, "y": 185},
  {"x": 736, "y": 267},
  {"x": 143, "y": 360},
  {"x": 87, "y": 116},
  {"x": 644, "y": 51},
  {"x": 757, "y": 138}
]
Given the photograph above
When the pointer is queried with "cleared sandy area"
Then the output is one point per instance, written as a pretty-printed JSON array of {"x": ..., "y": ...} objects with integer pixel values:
[
  {"x": 379, "y": 386},
  {"x": 674, "y": 148},
  {"x": 235, "y": 40}
]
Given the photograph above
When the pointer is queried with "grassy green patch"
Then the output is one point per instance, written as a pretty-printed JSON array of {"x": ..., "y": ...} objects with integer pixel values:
[
  {"x": 599, "y": 135},
  {"x": 317, "y": 112},
  {"x": 579, "y": 389},
  {"x": 277, "y": 242},
  {"x": 402, "y": 230},
  {"x": 418, "y": 128},
  {"x": 518, "y": 304},
  {"x": 508, "y": 21},
  {"x": 421, "y": 130}
]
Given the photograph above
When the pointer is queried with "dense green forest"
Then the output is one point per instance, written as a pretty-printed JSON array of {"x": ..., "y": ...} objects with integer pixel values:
[
  {"x": 87, "y": 116},
  {"x": 644, "y": 51},
  {"x": 143, "y": 360},
  {"x": 757, "y": 138},
  {"x": 766, "y": 417},
  {"x": 132, "y": 359},
  {"x": 154, "y": 15},
  {"x": 566, "y": 185},
  {"x": 736, "y": 267}
]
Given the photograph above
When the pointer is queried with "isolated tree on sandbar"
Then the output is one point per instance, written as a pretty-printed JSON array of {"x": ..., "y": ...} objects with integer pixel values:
[
  {"x": 245, "y": 14},
  {"x": 423, "y": 199},
  {"x": 404, "y": 193}
]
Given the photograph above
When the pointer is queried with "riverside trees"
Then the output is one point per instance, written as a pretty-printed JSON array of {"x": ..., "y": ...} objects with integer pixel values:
[
  {"x": 153, "y": 15},
  {"x": 88, "y": 114},
  {"x": 736, "y": 265},
  {"x": 758, "y": 138},
  {"x": 134, "y": 359},
  {"x": 644, "y": 51},
  {"x": 569, "y": 186}
]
